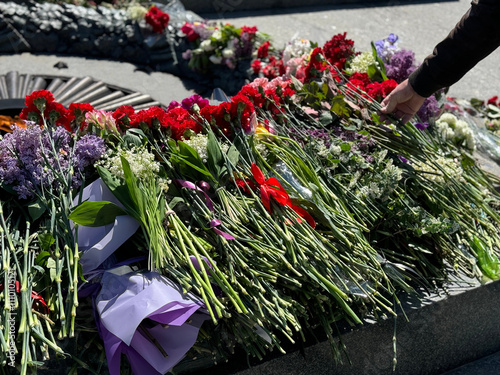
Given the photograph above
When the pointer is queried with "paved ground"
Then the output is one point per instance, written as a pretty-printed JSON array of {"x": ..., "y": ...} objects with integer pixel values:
[
  {"x": 420, "y": 27},
  {"x": 486, "y": 366}
]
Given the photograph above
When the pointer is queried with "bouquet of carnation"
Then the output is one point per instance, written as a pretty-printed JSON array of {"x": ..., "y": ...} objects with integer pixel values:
[{"x": 165, "y": 234}]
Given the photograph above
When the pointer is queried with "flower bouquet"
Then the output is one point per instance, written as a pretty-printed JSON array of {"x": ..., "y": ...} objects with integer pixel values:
[{"x": 289, "y": 208}]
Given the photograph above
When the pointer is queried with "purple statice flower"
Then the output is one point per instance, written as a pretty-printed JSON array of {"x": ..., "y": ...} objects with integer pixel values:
[
  {"x": 33, "y": 157},
  {"x": 429, "y": 109},
  {"x": 400, "y": 65},
  {"x": 188, "y": 103}
]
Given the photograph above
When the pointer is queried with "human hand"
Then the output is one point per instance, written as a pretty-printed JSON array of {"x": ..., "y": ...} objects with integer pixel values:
[{"x": 403, "y": 102}]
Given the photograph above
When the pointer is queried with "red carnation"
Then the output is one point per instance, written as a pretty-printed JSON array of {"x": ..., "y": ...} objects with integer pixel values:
[
  {"x": 249, "y": 30},
  {"x": 178, "y": 120},
  {"x": 123, "y": 115},
  {"x": 316, "y": 64},
  {"x": 338, "y": 50},
  {"x": 39, "y": 99},
  {"x": 76, "y": 114},
  {"x": 153, "y": 117},
  {"x": 55, "y": 113},
  {"x": 256, "y": 66},
  {"x": 263, "y": 50},
  {"x": 494, "y": 101},
  {"x": 363, "y": 77},
  {"x": 188, "y": 30},
  {"x": 274, "y": 68},
  {"x": 157, "y": 19}
]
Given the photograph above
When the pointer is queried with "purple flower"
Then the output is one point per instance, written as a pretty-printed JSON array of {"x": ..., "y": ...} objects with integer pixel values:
[
  {"x": 429, "y": 109},
  {"x": 173, "y": 104},
  {"x": 188, "y": 103},
  {"x": 421, "y": 125},
  {"x": 33, "y": 157},
  {"x": 392, "y": 38},
  {"x": 400, "y": 65},
  {"x": 403, "y": 159}
]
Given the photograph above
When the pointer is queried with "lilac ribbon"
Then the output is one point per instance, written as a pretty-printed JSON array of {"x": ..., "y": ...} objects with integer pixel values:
[
  {"x": 133, "y": 310},
  {"x": 216, "y": 222},
  {"x": 190, "y": 185},
  {"x": 213, "y": 223}
]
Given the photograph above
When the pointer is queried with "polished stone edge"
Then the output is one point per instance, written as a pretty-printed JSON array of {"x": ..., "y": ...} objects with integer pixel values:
[{"x": 443, "y": 331}]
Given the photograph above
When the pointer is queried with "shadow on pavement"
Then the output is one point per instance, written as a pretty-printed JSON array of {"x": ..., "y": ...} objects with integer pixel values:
[{"x": 224, "y": 9}]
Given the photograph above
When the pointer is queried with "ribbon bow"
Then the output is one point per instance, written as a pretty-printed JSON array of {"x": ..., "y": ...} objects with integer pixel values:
[{"x": 271, "y": 188}]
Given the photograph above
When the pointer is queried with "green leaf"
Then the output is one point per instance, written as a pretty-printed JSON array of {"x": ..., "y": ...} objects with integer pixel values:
[
  {"x": 380, "y": 62},
  {"x": 345, "y": 147},
  {"x": 42, "y": 258},
  {"x": 487, "y": 261},
  {"x": 214, "y": 157},
  {"x": 46, "y": 240},
  {"x": 189, "y": 162},
  {"x": 132, "y": 184},
  {"x": 233, "y": 155},
  {"x": 36, "y": 210},
  {"x": 119, "y": 190},
  {"x": 96, "y": 214}
]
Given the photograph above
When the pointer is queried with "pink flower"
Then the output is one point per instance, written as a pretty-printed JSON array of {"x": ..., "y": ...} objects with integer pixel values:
[{"x": 102, "y": 120}]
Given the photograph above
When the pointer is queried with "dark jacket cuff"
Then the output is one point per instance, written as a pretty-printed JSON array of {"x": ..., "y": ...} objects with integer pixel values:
[{"x": 423, "y": 82}]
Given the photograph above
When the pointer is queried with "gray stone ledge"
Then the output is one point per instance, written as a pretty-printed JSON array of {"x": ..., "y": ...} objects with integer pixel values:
[{"x": 443, "y": 332}]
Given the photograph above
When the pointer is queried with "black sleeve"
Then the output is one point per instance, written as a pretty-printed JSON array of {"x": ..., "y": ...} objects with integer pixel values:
[{"x": 473, "y": 38}]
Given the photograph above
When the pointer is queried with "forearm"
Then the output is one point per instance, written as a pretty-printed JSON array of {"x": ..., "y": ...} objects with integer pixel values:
[{"x": 473, "y": 38}]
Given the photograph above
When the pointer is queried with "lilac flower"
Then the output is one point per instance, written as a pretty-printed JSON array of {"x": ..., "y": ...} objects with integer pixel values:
[
  {"x": 400, "y": 65},
  {"x": 429, "y": 109},
  {"x": 244, "y": 46},
  {"x": 32, "y": 157}
]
